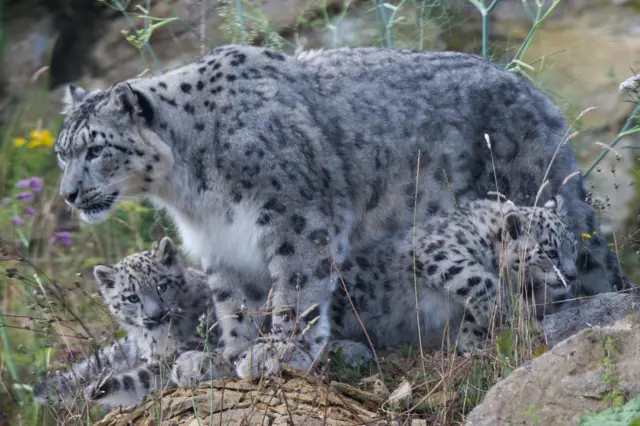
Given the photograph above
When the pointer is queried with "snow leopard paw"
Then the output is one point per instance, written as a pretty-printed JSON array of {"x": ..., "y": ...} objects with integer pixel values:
[
  {"x": 267, "y": 358},
  {"x": 351, "y": 353},
  {"x": 194, "y": 367}
]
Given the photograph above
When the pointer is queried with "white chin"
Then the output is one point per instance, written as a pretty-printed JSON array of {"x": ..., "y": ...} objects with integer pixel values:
[{"x": 94, "y": 217}]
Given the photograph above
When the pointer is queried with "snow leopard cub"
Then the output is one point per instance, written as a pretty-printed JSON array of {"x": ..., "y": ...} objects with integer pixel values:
[
  {"x": 159, "y": 303},
  {"x": 460, "y": 261}
]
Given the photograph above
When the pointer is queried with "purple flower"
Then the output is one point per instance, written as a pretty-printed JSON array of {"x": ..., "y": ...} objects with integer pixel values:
[
  {"x": 72, "y": 354},
  {"x": 5, "y": 201},
  {"x": 17, "y": 220},
  {"x": 26, "y": 197},
  {"x": 61, "y": 239},
  {"x": 36, "y": 184},
  {"x": 29, "y": 211},
  {"x": 22, "y": 184}
]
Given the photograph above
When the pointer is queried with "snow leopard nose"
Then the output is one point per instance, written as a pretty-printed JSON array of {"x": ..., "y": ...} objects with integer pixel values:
[
  {"x": 571, "y": 275},
  {"x": 71, "y": 197},
  {"x": 156, "y": 316}
]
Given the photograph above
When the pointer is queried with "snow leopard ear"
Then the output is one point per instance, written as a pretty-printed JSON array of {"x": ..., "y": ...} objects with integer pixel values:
[
  {"x": 514, "y": 224},
  {"x": 105, "y": 277},
  {"x": 165, "y": 252},
  {"x": 72, "y": 97},
  {"x": 558, "y": 205},
  {"x": 127, "y": 100}
]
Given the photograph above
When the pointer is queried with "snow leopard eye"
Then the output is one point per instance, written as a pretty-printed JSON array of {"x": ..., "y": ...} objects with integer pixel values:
[
  {"x": 94, "y": 152},
  {"x": 62, "y": 158},
  {"x": 552, "y": 254},
  {"x": 133, "y": 298},
  {"x": 162, "y": 288}
]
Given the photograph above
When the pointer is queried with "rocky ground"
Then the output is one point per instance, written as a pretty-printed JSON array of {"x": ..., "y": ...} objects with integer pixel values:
[{"x": 591, "y": 370}]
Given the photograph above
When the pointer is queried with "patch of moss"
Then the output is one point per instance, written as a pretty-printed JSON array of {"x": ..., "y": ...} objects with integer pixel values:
[{"x": 627, "y": 415}]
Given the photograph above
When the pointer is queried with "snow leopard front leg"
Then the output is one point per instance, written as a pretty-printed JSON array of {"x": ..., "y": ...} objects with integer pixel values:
[
  {"x": 63, "y": 388},
  {"x": 476, "y": 289},
  {"x": 129, "y": 388},
  {"x": 300, "y": 263},
  {"x": 239, "y": 300}
]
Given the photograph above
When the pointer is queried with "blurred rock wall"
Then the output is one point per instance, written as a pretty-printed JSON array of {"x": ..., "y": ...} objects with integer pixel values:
[{"x": 580, "y": 55}]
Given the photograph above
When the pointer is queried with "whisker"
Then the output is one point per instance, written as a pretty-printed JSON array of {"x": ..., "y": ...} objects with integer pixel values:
[{"x": 123, "y": 179}]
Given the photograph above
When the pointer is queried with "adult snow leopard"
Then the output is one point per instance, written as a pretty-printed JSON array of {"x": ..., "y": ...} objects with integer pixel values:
[
  {"x": 275, "y": 164},
  {"x": 159, "y": 302}
]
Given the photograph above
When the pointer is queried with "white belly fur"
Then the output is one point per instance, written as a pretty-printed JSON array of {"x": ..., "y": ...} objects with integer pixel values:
[{"x": 212, "y": 240}]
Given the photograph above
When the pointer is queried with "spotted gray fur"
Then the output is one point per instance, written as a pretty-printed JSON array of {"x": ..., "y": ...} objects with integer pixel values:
[{"x": 272, "y": 164}]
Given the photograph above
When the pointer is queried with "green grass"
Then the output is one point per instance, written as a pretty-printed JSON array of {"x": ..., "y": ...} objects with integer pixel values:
[{"x": 48, "y": 301}]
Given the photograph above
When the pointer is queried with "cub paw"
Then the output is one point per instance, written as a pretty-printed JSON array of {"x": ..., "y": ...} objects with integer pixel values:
[
  {"x": 194, "y": 367},
  {"x": 470, "y": 337},
  {"x": 101, "y": 388},
  {"x": 351, "y": 353},
  {"x": 269, "y": 358},
  {"x": 56, "y": 390}
]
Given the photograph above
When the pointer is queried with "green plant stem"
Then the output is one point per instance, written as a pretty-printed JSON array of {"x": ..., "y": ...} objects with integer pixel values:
[
  {"x": 626, "y": 131},
  {"x": 385, "y": 34},
  {"x": 9, "y": 356},
  {"x": 486, "y": 14},
  {"x": 539, "y": 20},
  {"x": 392, "y": 19},
  {"x": 240, "y": 14},
  {"x": 149, "y": 49}
]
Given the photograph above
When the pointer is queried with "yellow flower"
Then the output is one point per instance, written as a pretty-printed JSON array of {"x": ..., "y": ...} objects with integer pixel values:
[
  {"x": 43, "y": 137},
  {"x": 595, "y": 234},
  {"x": 586, "y": 236},
  {"x": 34, "y": 144},
  {"x": 129, "y": 206},
  {"x": 19, "y": 142}
]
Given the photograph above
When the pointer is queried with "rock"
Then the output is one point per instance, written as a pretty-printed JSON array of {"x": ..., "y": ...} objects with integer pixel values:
[
  {"x": 580, "y": 57},
  {"x": 401, "y": 397},
  {"x": 601, "y": 310},
  {"x": 180, "y": 42},
  {"x": 30, "y": 39},
  {"x": 574, "y": 378}
]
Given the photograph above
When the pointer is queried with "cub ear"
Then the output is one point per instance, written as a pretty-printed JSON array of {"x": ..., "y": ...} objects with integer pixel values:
[
  {"x": 72, "y": 97},
  {"x": 165, "y": 252},
  {"x": 127, "y": 100},
  {"x": 558, "y": 205},
  {"x": 105, "y": 276},
  {"x": 514, "y": 224}
]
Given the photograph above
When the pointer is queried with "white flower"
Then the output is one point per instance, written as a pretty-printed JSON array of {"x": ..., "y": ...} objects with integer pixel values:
[{"x": 630, "y": 85}]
